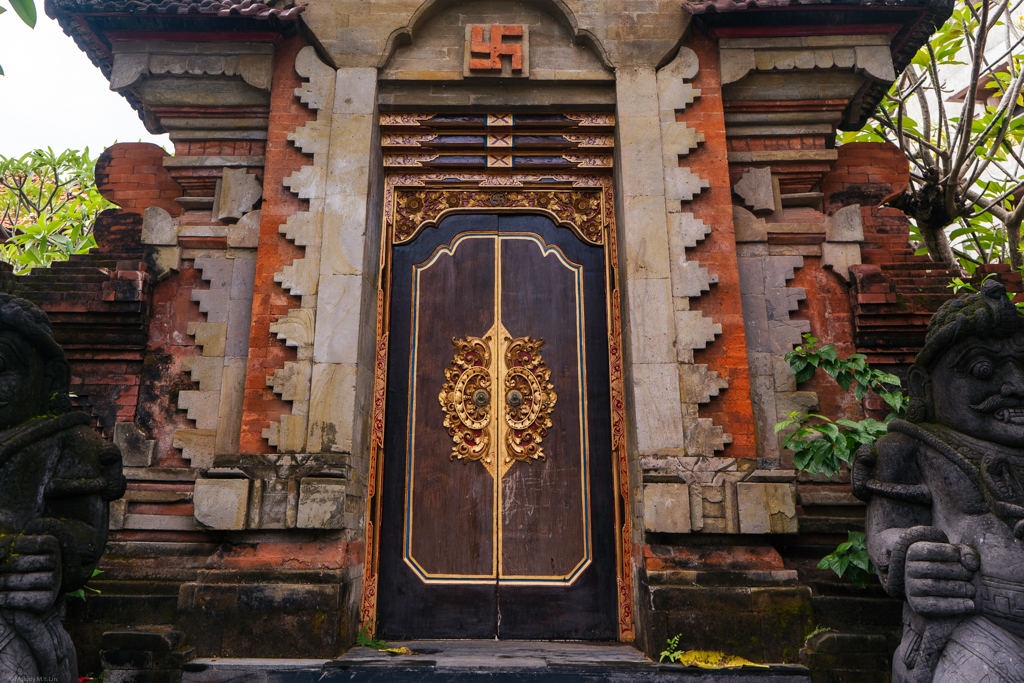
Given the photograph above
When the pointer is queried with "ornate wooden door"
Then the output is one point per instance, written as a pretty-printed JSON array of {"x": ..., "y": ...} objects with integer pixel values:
[{"x": 497, "y": 515}]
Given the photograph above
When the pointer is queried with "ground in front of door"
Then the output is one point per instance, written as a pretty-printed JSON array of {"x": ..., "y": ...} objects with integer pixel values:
[{"x": 480, "y": 661}]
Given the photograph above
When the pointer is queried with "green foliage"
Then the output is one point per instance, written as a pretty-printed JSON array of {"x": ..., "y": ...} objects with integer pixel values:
[
  {"x": 851, "y": 560},
  {"x": 80, "y": 593},
  {"x": 825, "y": 445},
  {"x": 821, "y": 445},
  {"x": 851, "y": 371},
  {"x": 48, "y": 203},
  {"x": 671, "y": 651},
  {"x": 964, "y": 144},
  {"x": 364, "y": 639},
  {"x": 26, "y": 9}
]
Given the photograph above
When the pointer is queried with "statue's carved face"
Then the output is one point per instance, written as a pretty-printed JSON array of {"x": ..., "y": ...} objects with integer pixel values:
[
  {"x": 21, "y": 379},
  {"x": 977, "y": 388}
]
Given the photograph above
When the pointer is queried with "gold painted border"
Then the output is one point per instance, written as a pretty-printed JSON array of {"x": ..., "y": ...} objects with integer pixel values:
[{"x": 524, "y": 182}]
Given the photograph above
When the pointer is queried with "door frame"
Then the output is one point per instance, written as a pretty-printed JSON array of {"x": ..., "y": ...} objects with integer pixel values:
[{"x": 580, "y": 202}]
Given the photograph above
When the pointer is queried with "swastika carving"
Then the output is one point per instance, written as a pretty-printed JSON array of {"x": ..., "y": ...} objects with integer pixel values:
[{"x": 486, "y": 46}]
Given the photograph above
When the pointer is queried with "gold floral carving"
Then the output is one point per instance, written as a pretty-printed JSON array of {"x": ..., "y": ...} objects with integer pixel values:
[
  {"x": 466, "y": 399},
  {"x": 417, "y": 208},
  {"x": 529, "y": 400}
]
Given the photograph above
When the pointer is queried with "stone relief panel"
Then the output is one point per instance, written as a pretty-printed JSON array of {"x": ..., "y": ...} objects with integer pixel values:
[{"x": 461, "y": 43}]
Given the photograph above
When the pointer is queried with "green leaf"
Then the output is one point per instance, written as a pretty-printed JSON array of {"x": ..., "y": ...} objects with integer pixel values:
[{"x": 26, "y": 9}]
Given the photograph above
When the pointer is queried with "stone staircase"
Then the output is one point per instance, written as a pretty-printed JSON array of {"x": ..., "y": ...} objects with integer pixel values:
[{"x": 479, "y": 661}]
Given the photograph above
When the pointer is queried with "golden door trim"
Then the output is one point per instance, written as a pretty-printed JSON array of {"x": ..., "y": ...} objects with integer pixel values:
[{"x": 497, "y": 193}]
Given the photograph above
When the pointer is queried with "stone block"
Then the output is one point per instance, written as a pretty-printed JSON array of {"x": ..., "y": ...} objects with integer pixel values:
[
  {"x": 238, "y": 191},
  {"x": 636, "y": 92},
  {"x": 640, "y": 156},
  {"x": 337, "y": 320},
  {"x": 683, "y": 185},
  {"x": 318, "y": 91},
  {"x": 704, "y": 437},
  {"x": 232, "y": 395},
  {"x": 678, "y": 139},
  {"x": 646, "y": 245},
  {"x": 346, "y": 214},
  {"x": 845, "y": 225},
  {"x": 159, "y": 228},
  {"x": 839, "y": 257},
  {"x": 795, "y": 402},
  {"x": 292, "y": 381},
  {"x": 674, "y": 96},
  {"x": 657, "y": 402},
  {"x": 650, "y": 321},
  {"x": 206, "y": 370},
  {"x": 356, "y": 91},
  {"x": 197, "y": 446},
  {"x": 301, "y": 277},
  {"x": 876, "y": 61},
  {"x": 312, "y": 138},
  {"x": 136, "y": 449},
  {"x": 735, "y": 64},
  {"x": 766, "y": 508},
  {"x": 162, "y": 260},
  {"x": 699, "y": 384},
  {"x": 755, "y": 187},
  {"x": 685, "y": 232},
  {"x": 202, "y": 406},
  {"x": 296, "y": 328},
  {"x": 303, "y": 229},
  {"x": 689, "y": 279},
  {"x": 292, "y": 434},
  {"x": 683, "y": 66},
  {"x": 321, "y": 503},
  {"x": 331, "y": 408},
  {"x": 667, "y": 508},
  {"x": 694, "y": 330},
  {"x": 246, "y": 232},
  {"x": 221, "y": 503},
  {"x": 211, "y": 336},
  {"x": 748, "y": 227}
]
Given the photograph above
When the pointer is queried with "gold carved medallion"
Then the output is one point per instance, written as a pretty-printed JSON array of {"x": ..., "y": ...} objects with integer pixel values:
[
  {"x": 525, "y": 403},
  {"x": 466, "y": 399}
]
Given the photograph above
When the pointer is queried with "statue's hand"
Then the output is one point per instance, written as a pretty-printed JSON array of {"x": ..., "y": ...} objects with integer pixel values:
[
  {"x": 29, "y": 573},
  {"x": 939, "y": 575}
]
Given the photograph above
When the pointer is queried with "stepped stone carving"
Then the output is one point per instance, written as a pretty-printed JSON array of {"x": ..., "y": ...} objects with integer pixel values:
[
  {"x": 305, "y": 229},
  {"x": 945, "y": 492},
  {"x": 689, "y": 280},
  {"x": 58, "y": 479}
]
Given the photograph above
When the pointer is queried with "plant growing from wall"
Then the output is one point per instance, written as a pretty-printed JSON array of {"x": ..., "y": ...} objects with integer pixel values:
[
  {"x": 48, "y": 203},
  {"x": 966, "y": 191},
  {"x": 821, "y": 445}
]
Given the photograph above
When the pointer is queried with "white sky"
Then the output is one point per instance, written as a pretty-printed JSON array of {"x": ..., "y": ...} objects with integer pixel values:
[{"x": 53, "y": 96}]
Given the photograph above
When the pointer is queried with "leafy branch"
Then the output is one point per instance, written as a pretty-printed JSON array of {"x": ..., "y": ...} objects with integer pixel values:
[
  {"x": 822, "y": 445},
  {"x": 48, "y": 203}
]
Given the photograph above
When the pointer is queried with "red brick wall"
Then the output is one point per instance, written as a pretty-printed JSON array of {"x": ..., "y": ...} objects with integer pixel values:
[
  {"x": 167, "y": 345},
  {"x": 270, "y": 301},
  {"x": 727, "y": 355},
  {"x": 132, "y": 175}
]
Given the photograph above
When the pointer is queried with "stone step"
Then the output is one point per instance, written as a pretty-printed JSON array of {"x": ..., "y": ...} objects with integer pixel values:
[{"x": 482, "y": 661}]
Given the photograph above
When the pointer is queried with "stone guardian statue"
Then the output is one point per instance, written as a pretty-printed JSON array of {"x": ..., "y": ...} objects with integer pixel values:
[
  {"x": 57, "y": 478},
  {"x": 945, "y": 493}
]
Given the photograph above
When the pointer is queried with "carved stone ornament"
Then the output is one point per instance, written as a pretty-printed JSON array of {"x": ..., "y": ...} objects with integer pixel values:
[
  {"x": 57, "y": 478},
  {"x": 945, "y": 493}
]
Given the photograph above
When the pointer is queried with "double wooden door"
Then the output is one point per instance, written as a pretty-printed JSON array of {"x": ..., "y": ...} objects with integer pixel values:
[{"x": 497, "y": 517}]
